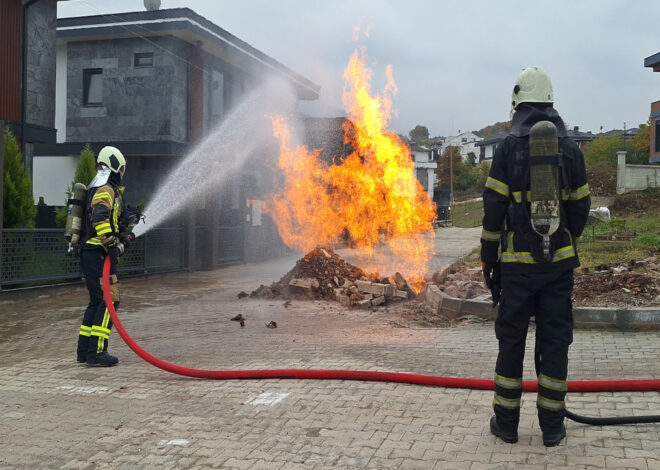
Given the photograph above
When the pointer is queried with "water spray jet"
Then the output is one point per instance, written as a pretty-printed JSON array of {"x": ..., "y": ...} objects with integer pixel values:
[{"x": 221, "y": 154}]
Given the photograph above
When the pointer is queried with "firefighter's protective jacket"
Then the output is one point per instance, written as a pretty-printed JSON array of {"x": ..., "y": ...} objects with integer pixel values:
[
  {"x": 105, "y": 204},
  {"x": 507, "y": 233}
]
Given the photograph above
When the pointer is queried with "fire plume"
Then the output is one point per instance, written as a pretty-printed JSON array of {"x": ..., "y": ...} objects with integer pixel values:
[{"x": 373, "y": 195}]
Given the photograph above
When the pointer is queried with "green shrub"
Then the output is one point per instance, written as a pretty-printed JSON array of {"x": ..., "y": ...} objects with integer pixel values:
[
  {"x": 650, "y": 240},
  {"x": 18, "y": 203},
  {"x": 85, "y": 172}
]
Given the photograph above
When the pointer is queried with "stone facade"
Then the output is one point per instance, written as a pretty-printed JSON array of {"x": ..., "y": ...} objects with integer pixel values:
[
  {"x": 139, "y": 103},
  {"x": 41, "y": 31}
]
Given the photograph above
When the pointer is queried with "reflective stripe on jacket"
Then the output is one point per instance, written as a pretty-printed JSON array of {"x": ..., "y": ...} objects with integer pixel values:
[{"x": 105, "y": 210}]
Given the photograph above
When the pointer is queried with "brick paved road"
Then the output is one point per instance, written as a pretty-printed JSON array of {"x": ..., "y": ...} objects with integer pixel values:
[{"x": 55, "y": 413}]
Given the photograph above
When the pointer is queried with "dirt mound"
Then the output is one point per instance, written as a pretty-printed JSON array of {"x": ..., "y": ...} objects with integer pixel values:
[
  {"x": 602, "y": 179},
  {"x": 635, "y": 202}
]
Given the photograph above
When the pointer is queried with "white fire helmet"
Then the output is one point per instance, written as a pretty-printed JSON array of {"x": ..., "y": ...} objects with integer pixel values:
[
  {"x": 533, "y": 86},
  {"x": 112, "y": 158}
]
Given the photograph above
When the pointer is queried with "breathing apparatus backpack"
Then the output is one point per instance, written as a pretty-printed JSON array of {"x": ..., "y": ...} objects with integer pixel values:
[
  {"x": 546, "y": 173},
  {"x": 75, "y": 218}
]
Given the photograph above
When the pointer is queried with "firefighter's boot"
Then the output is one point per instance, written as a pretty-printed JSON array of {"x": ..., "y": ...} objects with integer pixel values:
[
  {"x": 510, "y": 437},
  {"x": 101, "y": 360}
]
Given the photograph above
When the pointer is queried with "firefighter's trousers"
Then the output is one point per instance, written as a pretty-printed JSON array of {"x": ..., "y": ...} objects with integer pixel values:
[
  {"x": 96, "y": 325},
  {"x": 546, "y": 296}
]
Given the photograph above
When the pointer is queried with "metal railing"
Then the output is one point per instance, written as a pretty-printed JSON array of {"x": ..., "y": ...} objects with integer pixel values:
[{"x": 32, "y": 257}]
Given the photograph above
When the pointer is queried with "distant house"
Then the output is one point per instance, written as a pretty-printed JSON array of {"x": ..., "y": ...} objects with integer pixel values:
[
  {"x": 579, "y": 137},
  {"x": 425, "y": 165},
  {"x": 155, "y": 84},
  {"x": 466, "y": 142},
  {"x": 486, "y": 147},
  {"x": 653, "y": 62}
]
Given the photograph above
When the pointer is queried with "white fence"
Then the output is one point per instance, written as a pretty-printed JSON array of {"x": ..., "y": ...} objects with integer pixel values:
[{"x": 635, "y": 177}]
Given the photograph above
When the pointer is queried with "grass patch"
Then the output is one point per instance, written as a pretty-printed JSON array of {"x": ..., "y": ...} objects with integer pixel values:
[
  {"x": 639, "y": 231},
  {"x": 636, "y": 233},
  {"x": 468, "y": 214}
]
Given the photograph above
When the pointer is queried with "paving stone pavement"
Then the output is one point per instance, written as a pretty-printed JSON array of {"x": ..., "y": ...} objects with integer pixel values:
[{"x": 55, "y": 413}]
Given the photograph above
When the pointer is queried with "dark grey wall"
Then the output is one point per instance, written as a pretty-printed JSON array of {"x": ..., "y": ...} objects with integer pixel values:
[
  {"x": 235, "y": 83},
  {"x": 40, "y": 89},
  {"x": 139, "y": 103}
]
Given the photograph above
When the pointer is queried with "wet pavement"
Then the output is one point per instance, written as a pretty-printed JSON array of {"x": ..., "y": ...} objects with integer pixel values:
[{"x": 55, "y": 413}]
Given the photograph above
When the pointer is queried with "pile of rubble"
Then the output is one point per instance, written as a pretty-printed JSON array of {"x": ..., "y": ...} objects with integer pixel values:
[
  {"x": 323, "y": 274},
  {"x": 636, "y": 283},
  {"x": 462, "y": 282}
]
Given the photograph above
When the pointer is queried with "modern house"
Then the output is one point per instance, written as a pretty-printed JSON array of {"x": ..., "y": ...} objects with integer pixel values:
[
  {"x": 155, "y": 84},
  {"x": 653, "y": 62}
]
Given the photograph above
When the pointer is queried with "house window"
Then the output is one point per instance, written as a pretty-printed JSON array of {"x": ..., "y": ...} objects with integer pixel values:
[
  {"x": 657, "y": 136},
  {"x": 93, "y": 87},
  {"x": 423, "y": 178},
  {"x": 217, "y": 102},
  {"x": 143, "y": 59}
]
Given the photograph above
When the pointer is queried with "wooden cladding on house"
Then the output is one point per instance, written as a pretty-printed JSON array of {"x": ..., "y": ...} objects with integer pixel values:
[{"x": 11, "y": 22}]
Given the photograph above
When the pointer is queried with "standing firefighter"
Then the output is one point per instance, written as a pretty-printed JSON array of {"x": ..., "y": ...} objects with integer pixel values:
[
  {"x": 536, "y": 203},
  {"x": 103, "y": 235}
]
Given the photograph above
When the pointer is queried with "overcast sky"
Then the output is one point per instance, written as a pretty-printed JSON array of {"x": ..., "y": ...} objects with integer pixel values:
[{"x": 455, "y": 62}]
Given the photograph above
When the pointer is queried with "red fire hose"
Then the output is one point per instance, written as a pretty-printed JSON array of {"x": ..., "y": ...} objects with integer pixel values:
[{"x": 417, "y": 379}]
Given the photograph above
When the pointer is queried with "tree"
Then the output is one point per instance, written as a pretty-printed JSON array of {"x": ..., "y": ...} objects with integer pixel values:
[
  {"x": 419, "y": 134},
  {"x": 604, "y": 148},
  {"x": 18, "y": 203},
  {"x": 494, "y": 129},
  {"x": 444, "y": 165},
  {"x": 471, "y": 159},
  {"x": 640, "y": 145},
  {"x": 85, "y": 172}
]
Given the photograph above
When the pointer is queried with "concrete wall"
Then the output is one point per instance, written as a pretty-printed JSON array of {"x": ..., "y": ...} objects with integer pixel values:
[
  {"x": 51, "y": 177},
  {"x": 635, "y": 177},
  {"x": 139, "y": 103},
  {"x": 41, "y": 31}
]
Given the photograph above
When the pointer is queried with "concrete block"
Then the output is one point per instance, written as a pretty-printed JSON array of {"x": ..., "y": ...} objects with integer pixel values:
[
  {"x": 403, "y": 284},
  {"x": 366, "y": 303},
  {"x": 434, "y": 297},
  {"x": 451, "y": 307},
  {"x": 378, "y": 301},
  {"x": 479, "y": 308},
  {"x": 304, "y": 283},
  {"x": 375, "y": 288}
]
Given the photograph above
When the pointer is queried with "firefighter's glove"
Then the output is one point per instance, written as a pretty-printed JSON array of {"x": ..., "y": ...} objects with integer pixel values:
[
  {"x": 492, "y": 278},
  {"x": 116, "y": 251},
  {"x": 127, "y": 237}
]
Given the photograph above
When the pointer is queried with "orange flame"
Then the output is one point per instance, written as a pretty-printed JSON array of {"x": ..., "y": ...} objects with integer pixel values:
[{"x": 373, "y": 194}]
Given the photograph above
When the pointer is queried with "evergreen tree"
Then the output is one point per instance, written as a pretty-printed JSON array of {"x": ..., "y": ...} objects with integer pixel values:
[
  {"x": 85, "y": 172},
  {"x": 18, "y": 203}
]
